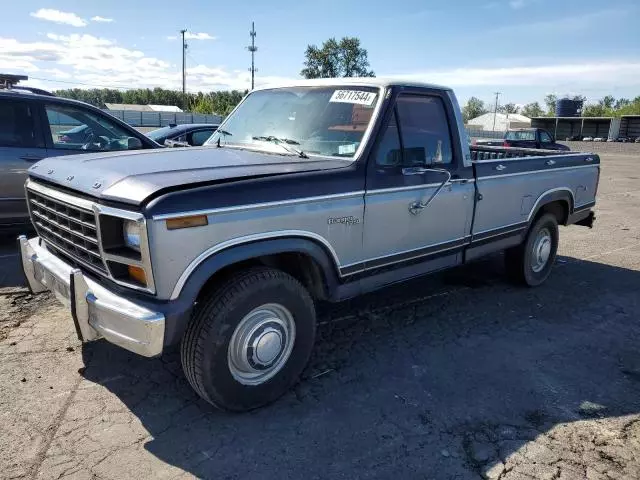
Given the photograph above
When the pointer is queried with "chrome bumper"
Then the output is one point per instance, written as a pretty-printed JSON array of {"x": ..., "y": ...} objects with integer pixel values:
[{"x": 96, "y": 311}]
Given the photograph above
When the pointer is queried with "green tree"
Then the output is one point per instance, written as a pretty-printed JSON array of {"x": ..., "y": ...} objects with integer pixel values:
[
  {"x": 508, "y": 108},
  {"x": 550, "y": 101},
  {"x": 345, "y": 58},
  {"x": 622, "y": 103},
  {"x": 474, "y": 108},
  {"x": 532, "y": 110}
]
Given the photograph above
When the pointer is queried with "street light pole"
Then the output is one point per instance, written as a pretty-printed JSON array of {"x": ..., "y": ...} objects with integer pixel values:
[
  {"x": 495, "y": 112},
  {"x": 184, "y": 71}
]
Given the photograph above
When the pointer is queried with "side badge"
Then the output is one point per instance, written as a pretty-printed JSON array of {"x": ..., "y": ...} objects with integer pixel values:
[{"x": 97, "y": 185}]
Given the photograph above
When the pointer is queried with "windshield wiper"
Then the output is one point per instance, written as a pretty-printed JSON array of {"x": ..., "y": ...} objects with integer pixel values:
[
  {"x": 284, "y": 143},
  {"x": 222, "y": 132}
]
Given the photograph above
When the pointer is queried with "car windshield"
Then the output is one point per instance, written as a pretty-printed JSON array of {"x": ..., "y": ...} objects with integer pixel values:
[
  {"x": 521, "y": 135},
  {"x": 159, "y": 133},
  {"x": 328, "y": 121}
]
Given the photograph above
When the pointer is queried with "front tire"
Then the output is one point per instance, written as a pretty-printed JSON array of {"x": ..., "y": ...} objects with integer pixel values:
[
  {"x": 249, "y": 340},
  {"x": 531, "y": 262}
]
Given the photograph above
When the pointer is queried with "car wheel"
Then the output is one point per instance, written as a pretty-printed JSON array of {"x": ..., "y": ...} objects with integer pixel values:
[
  {"x": 530, "y": 263},
  {"x": 249, "y": 340}
]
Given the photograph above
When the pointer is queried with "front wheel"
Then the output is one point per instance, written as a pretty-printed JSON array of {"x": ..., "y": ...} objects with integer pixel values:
[
  {"x": 249, "y": 340},
  {"x": 530, "y": 263}
]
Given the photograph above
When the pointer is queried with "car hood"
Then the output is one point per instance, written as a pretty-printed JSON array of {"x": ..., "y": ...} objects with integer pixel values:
[{"x": 133, "y": 176}]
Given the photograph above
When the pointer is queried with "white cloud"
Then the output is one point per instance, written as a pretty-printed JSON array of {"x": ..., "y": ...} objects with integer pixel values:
[
  {"x": 98, "y": 18},
  {"x": 626, "y": 73},
  {"x": 97, "y": 61},
  {"x": 57, "y": 16},
  {"x": 198, "y": 36},
  {"x": 193, "y": 36},
  {"x": 517, "y": 4}
]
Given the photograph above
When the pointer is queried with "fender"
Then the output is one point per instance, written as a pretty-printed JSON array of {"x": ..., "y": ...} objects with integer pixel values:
[
  {"x": 557, "y": 194},
  {"x": 218, "y": 259}
]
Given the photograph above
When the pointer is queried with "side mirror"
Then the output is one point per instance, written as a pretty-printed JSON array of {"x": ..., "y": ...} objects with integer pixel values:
[
  {"x": 175, "y": 143},
  {"x": 134, "y": 143}
]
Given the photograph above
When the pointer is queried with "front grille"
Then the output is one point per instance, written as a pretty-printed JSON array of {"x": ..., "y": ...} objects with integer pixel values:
[{"x": 68, "y": 228}]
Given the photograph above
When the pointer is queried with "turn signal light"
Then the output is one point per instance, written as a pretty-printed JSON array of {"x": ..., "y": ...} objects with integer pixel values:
[
  {"x": 137, "y": 274},
  {"x": 187, "y": 222}
]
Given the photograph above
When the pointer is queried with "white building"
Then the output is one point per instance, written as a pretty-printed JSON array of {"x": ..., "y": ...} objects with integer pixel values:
[{"x": 503, "y": 122}]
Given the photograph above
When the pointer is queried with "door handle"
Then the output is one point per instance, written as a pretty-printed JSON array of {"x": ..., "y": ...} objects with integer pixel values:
[
  {"x": 415, "y": 170},
  {"x": 500, "y": 167},
  {"x": 588, "y": 159},
  {"x": 550, "y": 162},
  {"x": 31, "y": 158}
]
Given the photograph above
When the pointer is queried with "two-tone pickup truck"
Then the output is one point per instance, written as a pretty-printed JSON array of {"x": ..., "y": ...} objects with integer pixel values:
[
  {"x": 525, "y": 138},
  {"x": 321, "y": 190}
]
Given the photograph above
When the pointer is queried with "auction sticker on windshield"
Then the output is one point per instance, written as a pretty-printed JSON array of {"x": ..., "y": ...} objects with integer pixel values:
[{"x": 353, "y": 96}]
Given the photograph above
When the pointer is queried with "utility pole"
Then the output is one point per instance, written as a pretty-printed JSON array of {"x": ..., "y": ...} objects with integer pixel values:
[
  {"x": 495, "y": 112},
  {"x": 184, "y": 71},
  {"x": 253, "y": 49}
]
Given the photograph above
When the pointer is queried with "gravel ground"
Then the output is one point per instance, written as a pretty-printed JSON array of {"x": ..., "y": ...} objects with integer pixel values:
[{"x": 459, "y": 375}]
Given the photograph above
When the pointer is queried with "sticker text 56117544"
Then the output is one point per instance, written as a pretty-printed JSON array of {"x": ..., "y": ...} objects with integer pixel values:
[{"x": 353, "y": 96}]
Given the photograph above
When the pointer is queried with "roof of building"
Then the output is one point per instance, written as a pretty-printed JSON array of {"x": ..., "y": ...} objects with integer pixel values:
[{"x": 143, "y": 108}]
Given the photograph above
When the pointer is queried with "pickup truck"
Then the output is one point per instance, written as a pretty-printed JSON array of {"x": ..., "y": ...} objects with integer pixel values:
[
  {"x": 526, "y": 138},
  {"x": 320, "y": 190}
]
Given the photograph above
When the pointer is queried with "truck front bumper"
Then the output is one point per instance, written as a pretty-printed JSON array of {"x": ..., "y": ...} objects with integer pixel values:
[{"x": 97, "y": 312}]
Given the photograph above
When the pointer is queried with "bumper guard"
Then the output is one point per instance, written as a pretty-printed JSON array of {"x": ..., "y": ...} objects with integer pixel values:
[{"x": 97, "y": 312}]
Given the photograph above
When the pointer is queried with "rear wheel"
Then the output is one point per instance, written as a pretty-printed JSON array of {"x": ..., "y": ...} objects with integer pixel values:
[
  {"x": 249, "y": 340},
  {"x": 531, "y": 262}
]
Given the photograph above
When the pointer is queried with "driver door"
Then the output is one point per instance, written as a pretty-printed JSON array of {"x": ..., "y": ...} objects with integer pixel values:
[{"x": 414, "y": 159}]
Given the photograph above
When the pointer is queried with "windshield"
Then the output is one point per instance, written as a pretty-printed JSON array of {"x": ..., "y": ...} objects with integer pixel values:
[
  {"x": 521, "y": 135},
  {"x": 159, "y": 133},
  {"x": 328, "y": 121}
]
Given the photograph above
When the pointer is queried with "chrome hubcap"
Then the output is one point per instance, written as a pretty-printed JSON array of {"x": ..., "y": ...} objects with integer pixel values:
[
  {"x": 541, "y": 250},
  {"x": 261, "y": 344}
]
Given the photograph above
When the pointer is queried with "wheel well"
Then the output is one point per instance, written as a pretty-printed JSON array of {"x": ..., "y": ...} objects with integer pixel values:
[
  {"x": 559, "y": 208},
  {"x": 300, "y": 266}
]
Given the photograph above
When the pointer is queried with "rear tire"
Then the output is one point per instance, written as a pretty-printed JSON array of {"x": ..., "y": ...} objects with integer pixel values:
[
  {"x": 530, "y": 263},
  {"x": 249, "y": 340}
]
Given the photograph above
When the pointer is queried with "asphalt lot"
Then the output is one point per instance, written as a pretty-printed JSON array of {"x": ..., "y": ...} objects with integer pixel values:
[{"x": 459, "y": 375}]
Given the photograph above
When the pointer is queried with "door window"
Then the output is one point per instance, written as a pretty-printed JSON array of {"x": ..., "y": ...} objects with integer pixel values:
[
  {"x": 426, "y": 138},
  {"x": 201, "y": 136},
  {"x": 389, "y": 150},
  {"x": 74, "y": 128},
  {"x": 16, "y": 125},
  {"x": 545, "y": 137}
]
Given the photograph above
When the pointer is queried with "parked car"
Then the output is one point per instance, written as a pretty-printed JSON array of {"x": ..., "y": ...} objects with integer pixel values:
[
  {"x": 185, "y": 135},
  {"x": 587, "y": 139},
  {"x": 599, "y": 139},
  {"x": 32, "y": 126},
  {"x": 526, "y": 138},
  {"x": 225, "y": 250},
  {"x": 623, "y": 139}
]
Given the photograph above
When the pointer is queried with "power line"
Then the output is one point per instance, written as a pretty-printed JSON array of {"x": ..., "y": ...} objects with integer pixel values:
[{"x": 85, "y": 84}]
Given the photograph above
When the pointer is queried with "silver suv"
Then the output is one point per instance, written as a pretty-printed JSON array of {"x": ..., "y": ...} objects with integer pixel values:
[{"x": 34, "y": 124}]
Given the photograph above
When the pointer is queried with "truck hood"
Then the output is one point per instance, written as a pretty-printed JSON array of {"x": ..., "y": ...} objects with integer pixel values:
[{"x": 133, "y": 176}]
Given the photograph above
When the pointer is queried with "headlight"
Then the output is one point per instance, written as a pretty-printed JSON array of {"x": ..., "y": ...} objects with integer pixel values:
[{"x": 131, "y": 234}]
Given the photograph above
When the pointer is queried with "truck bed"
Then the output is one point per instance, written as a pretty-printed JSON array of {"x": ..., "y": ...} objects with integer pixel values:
[{"x": 486, "y": 152}]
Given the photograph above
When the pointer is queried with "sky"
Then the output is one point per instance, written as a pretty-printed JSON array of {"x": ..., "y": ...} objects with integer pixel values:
[{"x": 523, "y": 49}]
